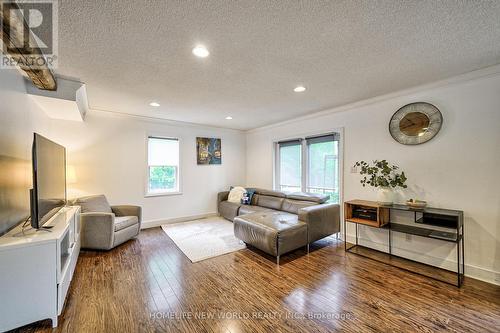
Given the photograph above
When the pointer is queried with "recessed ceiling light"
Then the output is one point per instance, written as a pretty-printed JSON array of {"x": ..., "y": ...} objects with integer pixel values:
[
  {"x": 229, "y": 118},
  {"x": 154, "y": 104},
  {"x": 201, "y": 51},
  {"x": 299, "y": 89}
]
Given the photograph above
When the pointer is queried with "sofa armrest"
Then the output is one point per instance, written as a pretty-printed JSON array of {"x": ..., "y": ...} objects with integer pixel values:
[
  {"x": 222, "y": 196},
  {"x": 127, "y": 210},
  {"x": 322, "y": 220},
  {"x": 97, "y": 230}
]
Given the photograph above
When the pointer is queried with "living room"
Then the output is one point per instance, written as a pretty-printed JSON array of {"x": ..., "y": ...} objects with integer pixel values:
[{"x": 308, "y": 166}]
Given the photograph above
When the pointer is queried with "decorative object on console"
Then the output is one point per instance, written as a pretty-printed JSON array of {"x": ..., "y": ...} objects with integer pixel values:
[
  {"x": 208, "y": 151},
  {"x": 417, "y": 204},
  {"x": 366, "y": 212},
  {"x": 385, "y": 195},
  {"x": 384, "y": 177},
  {"x": 415, "y": 123}
]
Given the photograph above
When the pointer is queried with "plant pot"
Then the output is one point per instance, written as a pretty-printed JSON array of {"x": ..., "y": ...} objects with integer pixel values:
[{"x": 385, "y": 196}]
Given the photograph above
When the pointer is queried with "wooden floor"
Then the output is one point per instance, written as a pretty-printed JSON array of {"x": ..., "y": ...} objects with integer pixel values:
[{"x": 148, "y": 285}]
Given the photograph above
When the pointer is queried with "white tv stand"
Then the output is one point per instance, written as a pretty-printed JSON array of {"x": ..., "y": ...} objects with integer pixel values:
[{"x": 36, "y": 269}]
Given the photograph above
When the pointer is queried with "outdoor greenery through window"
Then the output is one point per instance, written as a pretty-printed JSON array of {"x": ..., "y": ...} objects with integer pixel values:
[
  {"x": 163, "y": 165},
  {"x": 323, "y": 167},
  {"x": 309, "y": 165},
  {"x": 290, "y": 157}
]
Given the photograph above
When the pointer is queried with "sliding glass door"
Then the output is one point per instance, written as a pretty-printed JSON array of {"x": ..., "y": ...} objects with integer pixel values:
[
  {"x": 322, "y": 166},
  {"x": 290, "y": 166},
  {"x": 309, "y": 164}
]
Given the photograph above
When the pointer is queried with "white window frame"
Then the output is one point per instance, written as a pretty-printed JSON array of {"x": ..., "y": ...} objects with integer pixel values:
[
  {"x": 305, "y": 158},
  {"x": 146, "y": 173}
]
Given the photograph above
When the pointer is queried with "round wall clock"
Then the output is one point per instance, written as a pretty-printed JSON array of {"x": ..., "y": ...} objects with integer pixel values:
[{"x": 415, "y": 123}]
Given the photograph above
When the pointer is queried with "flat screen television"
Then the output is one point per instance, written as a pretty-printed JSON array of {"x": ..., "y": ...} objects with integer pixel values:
[{"x": 48, "y": 195}]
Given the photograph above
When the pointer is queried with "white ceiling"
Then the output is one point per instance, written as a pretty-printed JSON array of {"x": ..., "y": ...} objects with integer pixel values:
[{"x": 130, "y": 53}]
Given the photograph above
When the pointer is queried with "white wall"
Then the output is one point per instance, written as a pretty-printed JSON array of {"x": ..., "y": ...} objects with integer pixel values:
[
  {"x": 108, "y": 152},
  {"x": 457, "y": 169},
  {"x": 19, "y": 117}
]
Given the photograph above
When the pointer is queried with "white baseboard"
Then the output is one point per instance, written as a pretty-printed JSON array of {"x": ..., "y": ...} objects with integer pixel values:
[
  {"x": 157, "y": 223},
  {"x": 472, "y": 271},
  {"x": 482, "y": 274}
]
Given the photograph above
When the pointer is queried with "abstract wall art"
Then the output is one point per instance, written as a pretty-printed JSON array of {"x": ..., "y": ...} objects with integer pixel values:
[{"x": 208, "y": 151}]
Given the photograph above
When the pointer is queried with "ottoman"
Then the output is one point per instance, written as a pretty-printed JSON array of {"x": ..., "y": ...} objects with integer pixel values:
[{"x": 273, "y": 232}]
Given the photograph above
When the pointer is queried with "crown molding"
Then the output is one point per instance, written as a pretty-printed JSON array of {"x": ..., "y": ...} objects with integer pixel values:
[
  {"x": 157, "y": 120},
  {"x": 486, "y": 72}
]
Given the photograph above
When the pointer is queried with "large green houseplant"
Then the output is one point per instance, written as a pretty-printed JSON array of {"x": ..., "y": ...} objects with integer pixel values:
[{"x": 383, "y": 176}]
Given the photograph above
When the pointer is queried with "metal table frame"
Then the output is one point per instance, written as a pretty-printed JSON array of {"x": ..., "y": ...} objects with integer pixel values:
[{"x": 414, "y": 230}]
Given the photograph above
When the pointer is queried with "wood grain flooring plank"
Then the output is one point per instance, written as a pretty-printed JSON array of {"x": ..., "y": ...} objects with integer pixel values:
[{"x": 149, "y": 285}]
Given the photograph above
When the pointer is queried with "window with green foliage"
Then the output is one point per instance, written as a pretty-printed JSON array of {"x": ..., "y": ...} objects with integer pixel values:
[
  {"x": 290, "y": 156},
  {"x": 309, "y": 164},
  {"x": 323, "y": 171},
  {"x": 163, "y": 165},
  {"x": 162, "y": 178}
]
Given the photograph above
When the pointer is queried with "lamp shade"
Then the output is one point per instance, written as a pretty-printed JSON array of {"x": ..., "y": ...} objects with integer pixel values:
[{"x": 70, "y": 174}]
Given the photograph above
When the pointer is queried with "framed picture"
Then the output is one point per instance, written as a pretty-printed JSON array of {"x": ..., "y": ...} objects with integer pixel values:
[{"x": 208, "y": 151}]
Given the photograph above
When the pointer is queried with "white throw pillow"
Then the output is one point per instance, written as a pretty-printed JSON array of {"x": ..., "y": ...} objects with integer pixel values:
[{"x": 236, "y": 194}]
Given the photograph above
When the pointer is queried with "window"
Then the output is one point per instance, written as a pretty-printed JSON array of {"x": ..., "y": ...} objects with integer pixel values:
[
  {"x": 163, "y": 166},
  {"x": 290, "y": 157},
  {"x": 323, "y": 171},
  {"x": 309, "y": 164}
]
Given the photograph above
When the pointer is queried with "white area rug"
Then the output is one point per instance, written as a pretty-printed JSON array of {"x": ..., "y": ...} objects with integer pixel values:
[{"x": 205, "y": 238}]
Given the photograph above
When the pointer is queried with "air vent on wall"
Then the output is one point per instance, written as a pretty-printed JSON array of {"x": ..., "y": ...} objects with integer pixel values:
[{"x": 68, "y": 102}]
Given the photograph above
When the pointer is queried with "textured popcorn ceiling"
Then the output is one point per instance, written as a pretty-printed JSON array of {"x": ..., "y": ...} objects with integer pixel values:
[{"x": 130, "y": 53}]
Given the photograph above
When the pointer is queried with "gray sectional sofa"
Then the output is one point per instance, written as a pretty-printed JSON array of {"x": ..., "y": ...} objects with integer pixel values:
[{"x": 278, "y": 222}]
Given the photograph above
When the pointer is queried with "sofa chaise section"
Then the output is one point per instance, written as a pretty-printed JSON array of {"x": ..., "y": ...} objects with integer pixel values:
[
  {"x": 273, "y": 232},
  {"x": 278, "y": 222}
]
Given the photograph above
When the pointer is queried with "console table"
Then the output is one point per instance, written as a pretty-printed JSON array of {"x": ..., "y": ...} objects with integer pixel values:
[
  {"x": 37, "y": 269},
  {"x": 441, "y": 224}
]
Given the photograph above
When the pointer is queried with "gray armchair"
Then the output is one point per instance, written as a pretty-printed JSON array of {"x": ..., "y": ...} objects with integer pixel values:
[{"x": 105, "y": 227}]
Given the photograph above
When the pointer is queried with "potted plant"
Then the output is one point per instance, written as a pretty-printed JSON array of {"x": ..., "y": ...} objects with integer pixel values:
[{"x": 384, "y": 177}]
